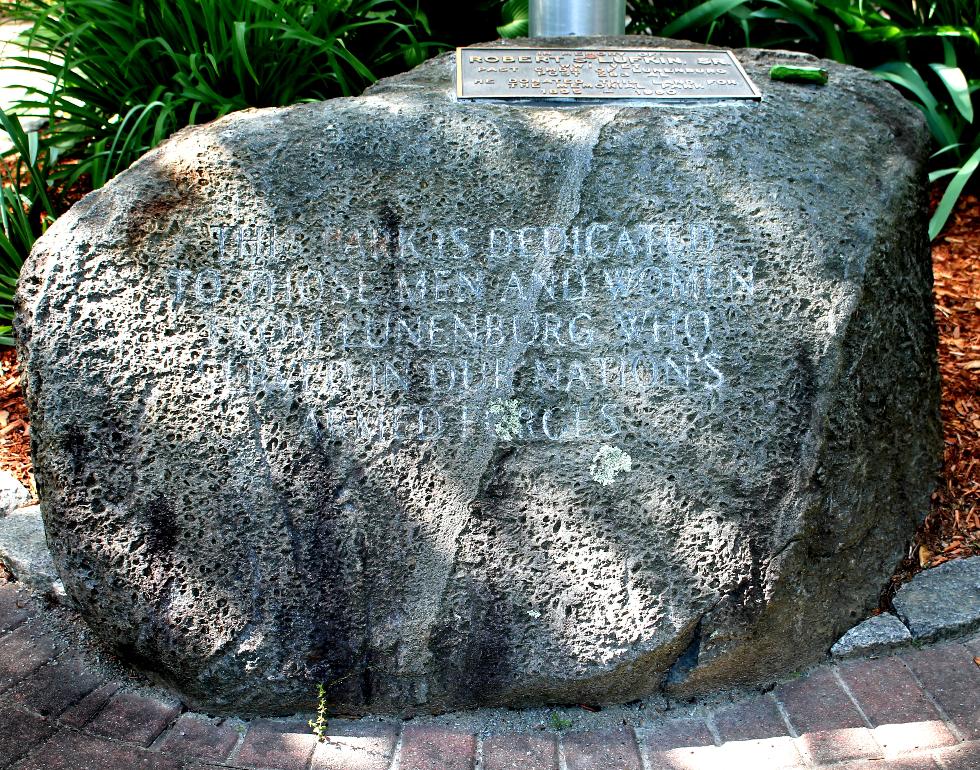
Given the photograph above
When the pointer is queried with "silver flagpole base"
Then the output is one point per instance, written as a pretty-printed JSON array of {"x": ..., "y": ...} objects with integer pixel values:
[{"x": 553, "y": 18}]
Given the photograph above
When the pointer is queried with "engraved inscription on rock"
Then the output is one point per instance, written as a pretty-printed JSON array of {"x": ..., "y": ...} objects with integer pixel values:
[
  {"x": 614, "y": 314},
  {"x": 600, "y": 73}
]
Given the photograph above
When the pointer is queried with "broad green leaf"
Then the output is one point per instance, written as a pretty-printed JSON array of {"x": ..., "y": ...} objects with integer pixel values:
[
  {"x": 808, "y": 10},
  {"x": 949, "y": 53},
  {"x": 515, "y": 17},
  {"x": 905, "y": 75},
  {"x": 952, "y": 193},
  {"x": 701, "y": 15},
  {"x": 242, "y": 49},
  {"x": 32, "y": 146},
  {"x": 959, "y": 90},
  {"x": 947, "y": 149},
  {"x": 941, "y": 173}
]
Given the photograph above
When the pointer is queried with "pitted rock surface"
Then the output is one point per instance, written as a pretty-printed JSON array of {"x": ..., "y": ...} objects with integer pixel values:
[{"x": 445, "y": 404}]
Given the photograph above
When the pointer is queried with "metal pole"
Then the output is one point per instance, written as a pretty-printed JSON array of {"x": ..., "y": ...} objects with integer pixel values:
[{"x": 553, "y": 18}]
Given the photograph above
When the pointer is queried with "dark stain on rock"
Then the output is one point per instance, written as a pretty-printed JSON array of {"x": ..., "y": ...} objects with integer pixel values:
[
  {"x": 133, "y": 653},
  {"x": 331, "y": 657},
  {"x": 367, "y": 684},
  {"x": 468, "y": 671},
  {"x": 76, "y": 448},
  {"x": 389, "y": 224},
  {"x": 117, "y": 437},
  {"x": 805, "y": 387},
  {"x": 687, "y": 660},
  {"x": 331, "y": 662},
  {"x": 149, "y": 216},
  {"x": 161, "y": 526}
]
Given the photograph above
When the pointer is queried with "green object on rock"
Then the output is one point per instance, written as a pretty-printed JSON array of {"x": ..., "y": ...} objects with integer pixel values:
[{"x": 799, "y": 74}]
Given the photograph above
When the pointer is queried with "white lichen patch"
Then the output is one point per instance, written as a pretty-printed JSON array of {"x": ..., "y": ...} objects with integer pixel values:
[
  {"x": 508, "y": 419},
  {"x": 608, "y": 462}
]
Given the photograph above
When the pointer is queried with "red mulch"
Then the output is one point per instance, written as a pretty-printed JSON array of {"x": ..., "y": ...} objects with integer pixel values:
[
  {"x": 15, "y": 441},
  {"x": 952, "y": 528}
]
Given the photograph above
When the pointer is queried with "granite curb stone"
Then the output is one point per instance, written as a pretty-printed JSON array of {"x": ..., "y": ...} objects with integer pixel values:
[
  {"x": 876, "y": 634},
  {"x": 24, "y": 551},
  {"x": 13, "y": 494},
  {"x": 941, "y": 601}
]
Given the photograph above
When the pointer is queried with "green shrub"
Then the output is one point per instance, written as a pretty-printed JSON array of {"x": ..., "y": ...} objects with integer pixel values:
[
  {"x": 478, "y": 24},
  {"x": 26, "y": 208},
  {"x": 128, "y": 74},
  {"x": 646, "y": 18}
]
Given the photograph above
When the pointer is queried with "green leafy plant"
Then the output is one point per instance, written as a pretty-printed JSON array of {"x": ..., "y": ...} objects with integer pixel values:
[
  {"x": 515, "y": 19},
  {"x": 128, "y": 74},
  {"x": 319, "y": 723},
  {"x": 559, "y": 722},
  {"x": 649, "y": 18},
  {"x": 26, "y": 208},
  {"x": 930, "y": 50}
]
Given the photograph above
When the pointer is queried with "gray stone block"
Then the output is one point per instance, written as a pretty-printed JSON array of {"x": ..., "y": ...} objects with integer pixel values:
[
  {"x": 942, "y": 601},
  {"x": 12, "y": 493},
  {"x": 876, "y": 634},
  {"x": 449, "y": 404},
  {"x": 24, "y": 549}
]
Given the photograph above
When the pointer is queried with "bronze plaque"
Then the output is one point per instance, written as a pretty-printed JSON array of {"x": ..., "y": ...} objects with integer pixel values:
[{"x": 600, "y": 73}]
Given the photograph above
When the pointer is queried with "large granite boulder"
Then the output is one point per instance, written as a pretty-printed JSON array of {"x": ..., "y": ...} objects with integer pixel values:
[{"x": 450, "y": 404}]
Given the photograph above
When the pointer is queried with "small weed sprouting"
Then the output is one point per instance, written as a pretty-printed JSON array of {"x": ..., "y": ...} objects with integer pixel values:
[
  {"x": 320, "y": 723},
  {"x": 559, "y": 722}
]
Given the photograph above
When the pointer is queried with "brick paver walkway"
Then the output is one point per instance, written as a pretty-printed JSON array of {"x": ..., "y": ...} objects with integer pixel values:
[{"x": 919, "y": 710}]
